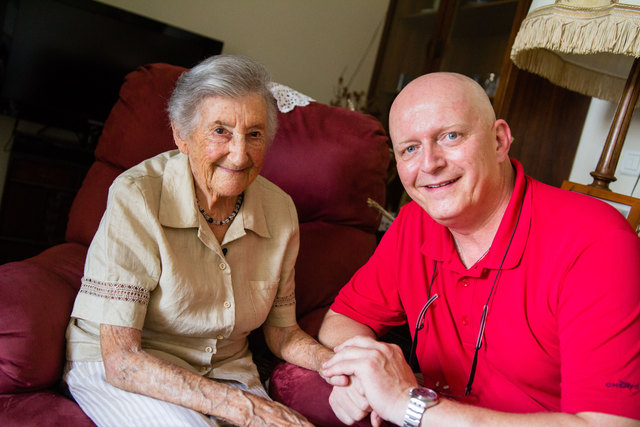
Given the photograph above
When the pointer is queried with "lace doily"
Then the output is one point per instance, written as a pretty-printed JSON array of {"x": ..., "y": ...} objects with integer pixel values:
[{"x": 287, "y": 98}]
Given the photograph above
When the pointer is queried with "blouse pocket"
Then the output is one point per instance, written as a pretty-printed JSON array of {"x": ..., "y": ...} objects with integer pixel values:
[{"x": 263, "y": 293}]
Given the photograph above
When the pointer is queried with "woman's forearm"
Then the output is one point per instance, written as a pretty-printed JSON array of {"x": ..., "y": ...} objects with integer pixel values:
[
  {"x": 296, "y": 346},
  {"x": 130, "y": 368}
]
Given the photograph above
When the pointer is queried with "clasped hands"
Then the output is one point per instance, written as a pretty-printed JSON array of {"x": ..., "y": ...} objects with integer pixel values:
[{"x": 369, "y": 377}]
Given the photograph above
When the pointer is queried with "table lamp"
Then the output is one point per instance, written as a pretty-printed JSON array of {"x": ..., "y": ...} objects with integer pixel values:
[{"x": 591, "y": 47}]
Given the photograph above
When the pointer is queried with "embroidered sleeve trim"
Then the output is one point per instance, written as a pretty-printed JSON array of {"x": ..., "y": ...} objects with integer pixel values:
[
  {"x": 285, "y": 301},
  {"x": 117, "y": 291}
]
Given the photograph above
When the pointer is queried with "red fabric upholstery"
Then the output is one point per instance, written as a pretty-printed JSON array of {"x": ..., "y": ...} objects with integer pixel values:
[
  {"x": 329, "y": 159},
  {"x": 306, "y": 392},
  {"x": 325, "y": 263},
  {"x": 36, "y": 299},
  {"x": 43, "y": 408}
]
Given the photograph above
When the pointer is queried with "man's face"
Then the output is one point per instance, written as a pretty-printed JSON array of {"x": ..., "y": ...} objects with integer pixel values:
[
  {"x": 447, "y": 154},
  {"x": 227, "y": 149}
]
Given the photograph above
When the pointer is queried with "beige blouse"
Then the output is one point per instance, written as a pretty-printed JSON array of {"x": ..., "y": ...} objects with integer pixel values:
[{"x": 155, "y": 265}]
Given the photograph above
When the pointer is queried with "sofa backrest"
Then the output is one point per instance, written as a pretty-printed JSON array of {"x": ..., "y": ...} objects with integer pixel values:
[{"x": 329, "y": 159}]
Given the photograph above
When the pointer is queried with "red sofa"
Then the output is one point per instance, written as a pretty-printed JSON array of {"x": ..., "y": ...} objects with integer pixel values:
[{"x": 330, "y": 160}]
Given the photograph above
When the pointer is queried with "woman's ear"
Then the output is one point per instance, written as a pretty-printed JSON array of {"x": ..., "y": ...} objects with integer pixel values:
[
  {"x": 503, "y": 139},
  {"x": 180, "y": 143}
]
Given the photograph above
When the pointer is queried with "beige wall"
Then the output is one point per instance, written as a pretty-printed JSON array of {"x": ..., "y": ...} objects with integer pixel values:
[{"x": 306, "y": 44}]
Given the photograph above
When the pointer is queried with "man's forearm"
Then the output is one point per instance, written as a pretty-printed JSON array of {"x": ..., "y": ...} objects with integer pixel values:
[
  {"x": 337, "y": 328},
  {"x": 449, "y": 412}
]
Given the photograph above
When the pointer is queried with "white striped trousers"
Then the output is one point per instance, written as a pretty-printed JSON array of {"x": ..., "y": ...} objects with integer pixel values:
[{"x": 109, "y": 406}]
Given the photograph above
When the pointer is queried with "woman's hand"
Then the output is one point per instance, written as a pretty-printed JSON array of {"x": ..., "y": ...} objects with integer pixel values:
[
  {"x": 269, "y": 413},
  {"x": 349, "y": 403}
]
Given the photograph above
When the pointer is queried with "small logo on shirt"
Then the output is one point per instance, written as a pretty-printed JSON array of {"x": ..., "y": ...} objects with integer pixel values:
[{"x": 623, "y": 385}]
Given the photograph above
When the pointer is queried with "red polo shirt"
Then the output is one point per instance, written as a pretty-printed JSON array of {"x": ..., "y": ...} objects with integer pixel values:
[{"x": 563, "y": 327}]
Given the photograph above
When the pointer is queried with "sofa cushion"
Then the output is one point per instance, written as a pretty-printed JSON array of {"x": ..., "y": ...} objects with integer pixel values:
[
  {"x": 323, "y": 244},
  {"x": 36, "y": 297},
  {"x": 330, "y": 160},
  {"x": 90, "y": 202}
]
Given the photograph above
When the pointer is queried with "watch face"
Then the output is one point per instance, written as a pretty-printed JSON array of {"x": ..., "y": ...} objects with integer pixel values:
[{"x": 424, "y": 393}]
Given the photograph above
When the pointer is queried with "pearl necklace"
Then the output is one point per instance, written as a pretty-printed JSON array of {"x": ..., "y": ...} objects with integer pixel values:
[{"x": 227, "y": 219}]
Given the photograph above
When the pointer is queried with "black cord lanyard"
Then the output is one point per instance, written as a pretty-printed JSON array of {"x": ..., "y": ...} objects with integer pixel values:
[{"x": 485, "y": 309}]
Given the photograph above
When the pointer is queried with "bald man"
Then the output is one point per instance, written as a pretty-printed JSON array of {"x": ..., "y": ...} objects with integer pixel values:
[{"x": 525, "y": 298}]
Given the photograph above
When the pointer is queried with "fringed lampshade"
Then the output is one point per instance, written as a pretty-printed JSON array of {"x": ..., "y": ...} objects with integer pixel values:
[{"x": 591, "y": 47}]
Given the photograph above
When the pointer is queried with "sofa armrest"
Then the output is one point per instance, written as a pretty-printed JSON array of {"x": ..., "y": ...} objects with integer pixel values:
[
  {"x": 36, "y": 297},
  {"x": 41, "y": 408}
]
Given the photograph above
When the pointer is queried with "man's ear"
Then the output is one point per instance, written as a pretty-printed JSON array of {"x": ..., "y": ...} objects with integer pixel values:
[
  {"x": 503, "y": 139},
  {"x": 180, "y": 143}
]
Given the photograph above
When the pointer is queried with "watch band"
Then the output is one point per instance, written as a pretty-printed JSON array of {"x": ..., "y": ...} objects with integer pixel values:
[{"x": 421, "y": 399}]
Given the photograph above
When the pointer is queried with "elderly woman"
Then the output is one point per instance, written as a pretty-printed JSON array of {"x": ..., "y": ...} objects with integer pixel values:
[{"x": 194, "y": 251}]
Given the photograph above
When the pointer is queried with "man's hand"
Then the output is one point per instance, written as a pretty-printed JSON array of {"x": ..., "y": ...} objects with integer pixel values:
[{"x": 378, "y": 372}]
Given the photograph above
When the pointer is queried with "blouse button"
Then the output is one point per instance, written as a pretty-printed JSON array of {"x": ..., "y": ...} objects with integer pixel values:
[
  {"x": 208, "y": 350},
  {"x": 220, "y": 336},
  {"x": 465, "y": 321},
  {"x": 227, "y": 304},
  {"x": 222, "y": 266}
]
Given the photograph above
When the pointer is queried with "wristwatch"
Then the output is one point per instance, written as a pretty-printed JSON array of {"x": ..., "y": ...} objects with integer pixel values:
[{"x": 421, "y": 399}]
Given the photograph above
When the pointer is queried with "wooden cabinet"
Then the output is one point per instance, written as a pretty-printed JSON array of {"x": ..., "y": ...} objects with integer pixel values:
[
  {"x": 468, "y": 37},
  {"x": 474, "y": 37}
]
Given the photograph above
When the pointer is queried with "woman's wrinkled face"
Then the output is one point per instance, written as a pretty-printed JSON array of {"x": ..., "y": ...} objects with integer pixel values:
[{"x": 227, "y": 148}]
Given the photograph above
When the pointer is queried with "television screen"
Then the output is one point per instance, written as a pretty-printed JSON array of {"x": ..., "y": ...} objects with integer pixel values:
[{"x": 63, "y": 61}]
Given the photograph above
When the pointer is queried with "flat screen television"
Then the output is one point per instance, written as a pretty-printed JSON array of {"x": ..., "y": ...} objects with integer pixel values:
[{"x": 62, "y": 62}]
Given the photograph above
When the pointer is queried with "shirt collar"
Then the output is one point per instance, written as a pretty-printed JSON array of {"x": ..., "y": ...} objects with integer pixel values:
[
  {"x": 251, "y": 216},
  {"x": 439, "y": 244},
  {"x": 178, "y": 202},
  {"x": 177, "y": 198}
]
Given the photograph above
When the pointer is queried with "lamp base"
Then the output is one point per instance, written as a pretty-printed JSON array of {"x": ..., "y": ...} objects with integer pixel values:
[{"x": 604, "y": 173}]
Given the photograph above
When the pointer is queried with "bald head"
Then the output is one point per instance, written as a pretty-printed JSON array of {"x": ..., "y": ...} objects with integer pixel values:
[{"x": 443, "y": 89}]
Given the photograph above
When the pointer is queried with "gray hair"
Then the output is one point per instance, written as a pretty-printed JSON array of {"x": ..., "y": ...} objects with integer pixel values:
[{"x": 229, "y": 76}]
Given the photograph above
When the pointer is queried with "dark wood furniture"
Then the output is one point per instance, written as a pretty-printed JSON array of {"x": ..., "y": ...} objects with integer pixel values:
[
  {"x": 475, "y": 38},
  {"x": 43, "y": 176}
]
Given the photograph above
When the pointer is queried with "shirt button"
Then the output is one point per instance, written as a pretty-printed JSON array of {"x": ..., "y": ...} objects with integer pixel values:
[
  {"x": 465, "y": 321},
  {"x": 227, "y": 304},
  {"x": 222, "y": 266},
  {"x": 466, "y": 283},
  {"x": 208, "y": 350}
]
